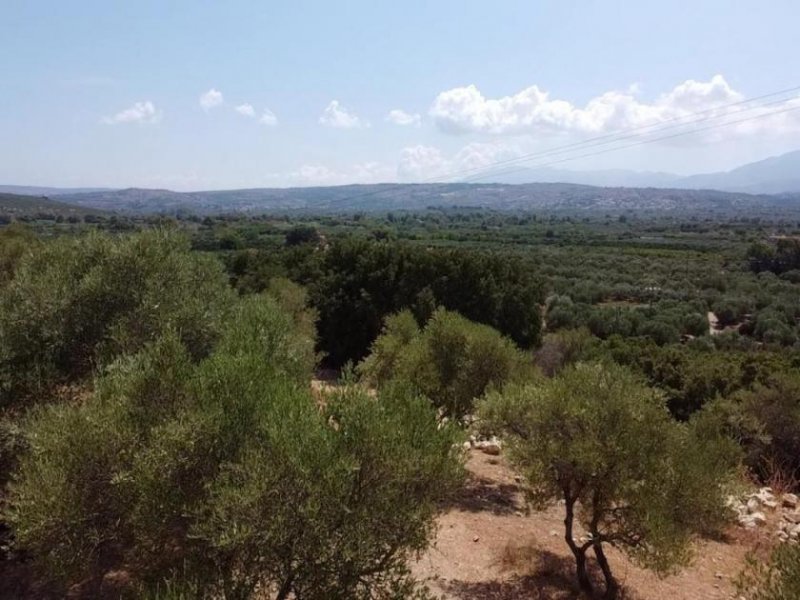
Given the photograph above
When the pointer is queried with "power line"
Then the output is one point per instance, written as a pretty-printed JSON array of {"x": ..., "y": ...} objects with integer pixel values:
[
  {"x": 621, "y": 135},
  {"x": 648, "y": 141},
  {"x": 612, "y": 138}
]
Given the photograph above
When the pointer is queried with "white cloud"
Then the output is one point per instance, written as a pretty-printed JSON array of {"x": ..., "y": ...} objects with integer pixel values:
[
  {"x": 336, "y": 115},
  {"x": 420, "y": 162},
  {"x": 401, "y": 117},
  {"x": 533, "y": 111},
  {"x": 210, "y": 99},
  {"x": 268, "y": 118},
  {"x": 315, "y": 174},
  {"x": 246, "y": 110},
  {"x": 141, "y": 112}
]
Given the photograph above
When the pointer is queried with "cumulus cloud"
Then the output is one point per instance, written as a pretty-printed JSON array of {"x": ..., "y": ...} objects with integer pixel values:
[
  {"x": 268, "y": 118},
  {"x": 246, "y": 110},
  {"x": 533, "y": 111},
  {"x": 401, "y": 117},
  {"x": 141, "y": 112},
  {"x": 211, "y": 99},
  {"x": 336, "y": 115}
]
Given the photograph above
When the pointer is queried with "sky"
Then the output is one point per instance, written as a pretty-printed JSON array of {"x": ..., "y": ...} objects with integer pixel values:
[{"x": 192, "y": 95}]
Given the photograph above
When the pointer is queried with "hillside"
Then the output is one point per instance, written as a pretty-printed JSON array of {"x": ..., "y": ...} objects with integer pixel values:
[
  {"x": 554, "y": 197},
  {"x": 774, "y": 175},
  {"x": 17, "y": 205}
]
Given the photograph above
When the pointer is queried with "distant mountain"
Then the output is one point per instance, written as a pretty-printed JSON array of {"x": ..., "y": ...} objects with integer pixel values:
[
  {"x": 552, "y": 197},
  {"x": 606, "y": 178},
  {"x": 775, "y": 175},
  {"x": 32, "y": 190},
  {"x": 16, "y": 205}
]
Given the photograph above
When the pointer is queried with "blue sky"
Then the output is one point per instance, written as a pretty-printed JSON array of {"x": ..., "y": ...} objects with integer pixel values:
[{"x": 117, "y": 94}]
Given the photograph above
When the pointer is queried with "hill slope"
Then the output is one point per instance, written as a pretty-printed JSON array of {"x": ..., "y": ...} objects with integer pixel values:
[
  {"x": 16, "y": 205},
  {"x": 773, "y": 175},
  {"x": 558, "y": 197}
]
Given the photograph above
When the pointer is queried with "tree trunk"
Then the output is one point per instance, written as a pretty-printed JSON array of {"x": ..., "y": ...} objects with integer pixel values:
[
  {"x": 580, "y": 554},
  {"x": 286, "y": 588},
  {"x": 612, "y": 588}
]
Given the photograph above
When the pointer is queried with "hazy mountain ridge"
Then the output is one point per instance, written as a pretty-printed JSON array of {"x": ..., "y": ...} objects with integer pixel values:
[
  {"x": 774, "y": 175},
  {"x": 388, "y": 197},
  {"x": 770, "y": 183}
]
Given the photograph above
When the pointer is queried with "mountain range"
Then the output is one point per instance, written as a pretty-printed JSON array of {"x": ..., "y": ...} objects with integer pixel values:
[
  {"x": 764, "y": 186},
  {"x": 775, "y": 175}
]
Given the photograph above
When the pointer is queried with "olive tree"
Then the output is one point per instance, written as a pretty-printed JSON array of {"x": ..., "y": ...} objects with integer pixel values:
[
  {"x": 452, "y": 361},
  {"x": 631, "y": 477},
  {"x": 75, "y": 304},
  {"x": 221, "y": 474}
]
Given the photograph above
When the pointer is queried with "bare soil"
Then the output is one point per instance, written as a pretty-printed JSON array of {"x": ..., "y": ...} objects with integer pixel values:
[{"x": 489, "y": 547}]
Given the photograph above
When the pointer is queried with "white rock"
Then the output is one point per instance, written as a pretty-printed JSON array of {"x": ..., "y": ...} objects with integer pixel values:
[
  {"x": 753, "y": 520},
  {"x": 790, "y": 500},
  {"x": 792, "y": 517},
  {"x": 490, "y": 448},
  {"x": 753, "y": 504},
  {"x": 771, "y": 504}
]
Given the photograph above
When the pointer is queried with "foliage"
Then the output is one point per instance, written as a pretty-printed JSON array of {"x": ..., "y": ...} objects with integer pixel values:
[
  {"x": 302, "y": 234},
  {"x": 604, "y": 443},
  {"x": 563, "y": 348},
  {"x": 451, "y": 361},
  {"x": 222, "y": 476},
  {"x": 15, "y": 241},
  {"x": 354, "y": 284},
  {"x": 776, "y": 579},
  {"x": 75, "y": 304},
  {"x": 765, "y": 420}
]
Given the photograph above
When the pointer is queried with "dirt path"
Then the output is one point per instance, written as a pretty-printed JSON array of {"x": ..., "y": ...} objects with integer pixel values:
[{"x": 488, "y": 548}]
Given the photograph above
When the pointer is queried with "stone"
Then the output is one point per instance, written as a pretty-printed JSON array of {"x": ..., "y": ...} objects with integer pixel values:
[
  {"x": 467, "y": 445},
  {"x": 753, "y": 504},
  {"x": 770, "y": 504},
  {"x": 793, "y": 517},
  {"x": 790, "y": 501},
  {"x": 753, "y": 520},
  {"x": 491, "y": 447}
]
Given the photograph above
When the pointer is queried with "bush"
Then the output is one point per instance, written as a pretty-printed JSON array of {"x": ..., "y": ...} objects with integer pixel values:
[
  {"x": 563, "y": 348},
  {"x": 452, "y": 361},
  {"x": 76, "y": 304},
  {"x": 777, "y": 579},
  {"x": 765, "y": 420},
  {"x": 15, "y": 241},
  {"x": 604, "y": 443},
  {"x": 224, "y": 478}
]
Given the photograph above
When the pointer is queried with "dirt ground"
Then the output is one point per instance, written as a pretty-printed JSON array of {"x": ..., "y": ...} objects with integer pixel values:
[{"x": 487, "y": 547}]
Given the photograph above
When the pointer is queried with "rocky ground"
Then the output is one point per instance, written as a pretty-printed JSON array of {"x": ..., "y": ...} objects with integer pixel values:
[{"x": 489, "y": 547}]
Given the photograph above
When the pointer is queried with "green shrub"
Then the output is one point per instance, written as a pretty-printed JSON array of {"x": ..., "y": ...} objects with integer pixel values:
[
  {"x": 604, "y": 443},
  {"x": 765, "y": 420},
  {"x": 776, "y": 579},
  {"x": 76, "y": 304},
  {"x": 223, "y": 476},
  {"x": 451, "y": 361}
]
